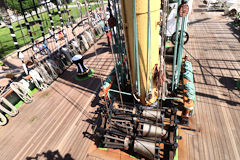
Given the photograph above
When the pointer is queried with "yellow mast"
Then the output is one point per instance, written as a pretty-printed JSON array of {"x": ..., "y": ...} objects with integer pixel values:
[{"x": 142, "y": 34}]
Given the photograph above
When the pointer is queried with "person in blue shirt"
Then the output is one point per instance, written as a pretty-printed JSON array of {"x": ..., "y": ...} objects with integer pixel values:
[{"x": 108, "y": 33}]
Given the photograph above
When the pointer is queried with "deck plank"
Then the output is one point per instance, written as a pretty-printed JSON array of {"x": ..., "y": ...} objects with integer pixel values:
[
  {"x": 214, "y": 53},
  {"x": 60, "y": 115}
]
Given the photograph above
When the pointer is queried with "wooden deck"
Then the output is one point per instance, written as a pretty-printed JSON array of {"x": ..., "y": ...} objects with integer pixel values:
[
  {"x": 56, "y": 124},
  {"x": 214, "y": 46}
]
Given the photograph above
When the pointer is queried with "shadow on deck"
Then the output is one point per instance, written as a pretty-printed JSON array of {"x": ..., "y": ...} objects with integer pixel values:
[{"x": 51, "y": 155}]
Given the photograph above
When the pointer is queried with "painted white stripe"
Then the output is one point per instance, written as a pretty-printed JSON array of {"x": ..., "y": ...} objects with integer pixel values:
[
  {"x": 85, "y": 66},
  {"x": 10, "y": 26},
  {"x": 80, "y": 68},
  {"x": 50, "y": 15},
  {"x": 51, "y": 21},
  {"x": 61, "y": 18},
  {"x": 27, "y": 23},
  {"x": 15, "y": 43},
  {"x": 13, "y": 35},
  {"x": 59, "y": 12}
]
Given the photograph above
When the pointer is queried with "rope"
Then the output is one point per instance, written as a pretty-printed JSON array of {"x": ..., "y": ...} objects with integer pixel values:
[
  {"x": 37, "y": 80},
  {"x": 3, "y": 120},
  {"x": 188, "y": 75},
  {"x": 21, "y": 91},
  {"x": 189, "y": 86},
  {"x": 188, "y": 66},
  {"x": 13, "y": 112},
  {"x": 54, "y": 66},
  {"x": 85, "y": 42},
  {"x": 52, "y": 71},
  {"x": 67, "y": 54},
  {"x": 75, "y": 44},
  {"x": 39, "y": 20},
  {"x": 45, "y": 76},
  {"x": 136, "y": 66},
  {"x": 88, "y": 37}
]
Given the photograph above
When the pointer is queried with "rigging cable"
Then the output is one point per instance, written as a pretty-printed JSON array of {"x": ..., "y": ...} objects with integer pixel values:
[
  {"x": 116, "y": 71},
  {"x": 39, "y": 20},
  {"x": 69, "y": 16}
]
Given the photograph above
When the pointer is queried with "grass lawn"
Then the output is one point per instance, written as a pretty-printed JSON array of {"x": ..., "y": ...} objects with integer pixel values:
[{"x": 6, "y": 42}]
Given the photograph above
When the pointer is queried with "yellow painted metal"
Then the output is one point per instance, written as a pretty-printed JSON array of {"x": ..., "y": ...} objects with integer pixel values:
[{"x": 142, "y": 33}]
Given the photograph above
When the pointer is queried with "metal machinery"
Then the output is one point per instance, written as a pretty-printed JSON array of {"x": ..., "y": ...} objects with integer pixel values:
[{"x": 143, "y": 100}]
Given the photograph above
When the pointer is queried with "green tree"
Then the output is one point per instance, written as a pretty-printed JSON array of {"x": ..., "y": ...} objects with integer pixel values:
[
  {"x": 15, "y": 5},
  {"x": 5, "y": 16},
  {"x": 60, "y": 1}
]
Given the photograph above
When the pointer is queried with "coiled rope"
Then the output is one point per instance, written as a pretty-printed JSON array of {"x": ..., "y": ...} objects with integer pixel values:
[
  {"x": 50, "y": 70},
  {"x": 3, "y": 120},
  {"x": 85, "y": 42},
  {"x": 55, "y": 66},
  {"x": 13, "y": 112},
  {"x": 189, "y": 86},
  {"x": 37, "y": 80},
  {"x": 22, "y": 91},
  {"x": 45, "y": 76}
]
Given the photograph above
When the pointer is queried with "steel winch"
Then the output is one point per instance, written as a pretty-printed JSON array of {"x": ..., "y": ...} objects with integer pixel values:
[{"x": 148, "y": 132}]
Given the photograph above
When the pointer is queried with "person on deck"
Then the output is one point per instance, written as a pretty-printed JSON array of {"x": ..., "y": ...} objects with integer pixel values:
[{"x": 108, "y": 33}]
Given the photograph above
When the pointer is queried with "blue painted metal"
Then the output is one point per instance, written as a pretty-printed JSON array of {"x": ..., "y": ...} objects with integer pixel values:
[
  {"x": 136, "y": 49},
  {"x": 112, "y": 90},
  {"x": 178, "y": 51}
]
